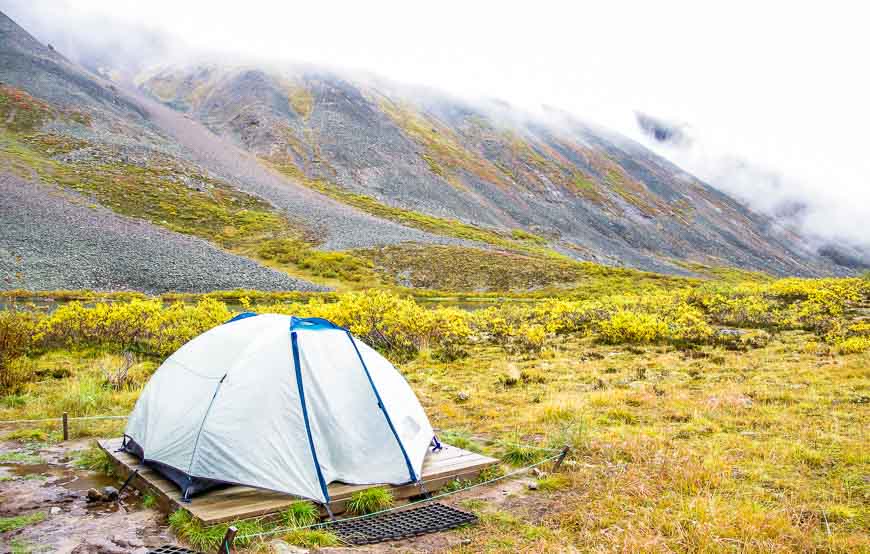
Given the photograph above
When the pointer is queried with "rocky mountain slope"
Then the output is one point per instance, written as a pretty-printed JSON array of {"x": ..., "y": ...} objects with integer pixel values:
[
  {"x": 210, "y": 177},
  {"x": 591, "y": 193},
  {"x": 72, "y": 131}
]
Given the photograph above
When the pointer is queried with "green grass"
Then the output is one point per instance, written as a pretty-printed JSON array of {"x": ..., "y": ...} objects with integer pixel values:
[
  {"x": 29, "y": 435},
  {"x": 208, "y": 538},
  {"x": 312, "y": 538},
  {"x": 462, "y": 269},
  {"x": 149, "y": 500},
  {"x": 18, "y": 546},
  {"x": 371, "y": 500},
  {"x": 94, "y": 459},
  {"x": 301, "y": 513},
  {"x": 518, "y": 454},
  {"x": 20, "y": 457},
  {"x": 17, "y": 522},
  {"x": 553, "y": 482}
]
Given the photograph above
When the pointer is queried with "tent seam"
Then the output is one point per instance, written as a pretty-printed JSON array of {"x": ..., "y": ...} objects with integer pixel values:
[
  {"x": 384, "y": 409},
  {"x": 202, "y": 425}
]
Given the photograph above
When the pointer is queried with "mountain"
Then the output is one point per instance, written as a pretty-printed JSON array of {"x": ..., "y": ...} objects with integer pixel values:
[
  {"x": 210, "y": 176},
  {"x": 588, "y": 192}
]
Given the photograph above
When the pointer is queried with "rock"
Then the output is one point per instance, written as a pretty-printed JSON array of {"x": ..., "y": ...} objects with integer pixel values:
[
  {"x": 110, "y": 493},
  {"x": 462, "y": 396},
  {"x": 54, "y": 510},
  {"x": 94, "y": 495},
  {"x": 533, "y": 486},
  {"x": 281, "y": 547},
  {"x": 537, "y": 472}
]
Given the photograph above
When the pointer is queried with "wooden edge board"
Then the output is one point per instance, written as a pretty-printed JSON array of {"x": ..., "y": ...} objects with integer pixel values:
[{"x": 241, "y": 502}]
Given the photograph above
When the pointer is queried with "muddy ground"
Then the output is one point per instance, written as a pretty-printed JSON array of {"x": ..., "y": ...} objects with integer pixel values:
[{"x": 41, "y": 478}]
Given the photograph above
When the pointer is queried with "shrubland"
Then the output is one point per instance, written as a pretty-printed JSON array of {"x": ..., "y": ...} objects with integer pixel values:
[
  {"x": 703, "y": 416},
  {"x": 736, "y": 316}
]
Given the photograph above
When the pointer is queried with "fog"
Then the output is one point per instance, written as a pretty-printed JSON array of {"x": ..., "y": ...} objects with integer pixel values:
[{"x": 771, "y": 98}]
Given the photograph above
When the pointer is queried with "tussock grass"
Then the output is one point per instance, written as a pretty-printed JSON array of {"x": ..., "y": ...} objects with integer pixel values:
[
  {"x": 208, "y": 538},
  {"x": 312, "y": 538},
  {"x": 301, "y": 513},
  {"x": 94, "y": 459},
  {"x": 370, "y": 500}
]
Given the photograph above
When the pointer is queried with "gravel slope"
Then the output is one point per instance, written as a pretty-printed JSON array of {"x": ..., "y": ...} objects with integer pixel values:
[
  {"x": 53, "y": 240},
  {"x": 340, "y": 226}
]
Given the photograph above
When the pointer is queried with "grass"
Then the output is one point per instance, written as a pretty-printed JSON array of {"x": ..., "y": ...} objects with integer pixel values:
[
  {"x": 20, "y": 457},
  {"x": 371, "y": 500},
  {"x": 17, "y": 522},
  {"x": 208, "y": 538},
  {"x": 149, "y": 500},
  {"x": 458, "y": 269},
  {"x": 301, "y": 513},
  {"x": 437, "y": 225},
  {"x": 94, "y": 459},
  {"x": 312, "y": 538},
  {"x": 554, "y": 482}
]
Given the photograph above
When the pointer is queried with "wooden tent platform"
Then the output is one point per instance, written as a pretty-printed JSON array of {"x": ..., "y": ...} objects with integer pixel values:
[{"x": 237, "y": 502}]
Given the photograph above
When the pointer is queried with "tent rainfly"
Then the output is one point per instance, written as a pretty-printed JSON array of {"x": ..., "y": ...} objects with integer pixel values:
[{"x": 281, "y": 403}]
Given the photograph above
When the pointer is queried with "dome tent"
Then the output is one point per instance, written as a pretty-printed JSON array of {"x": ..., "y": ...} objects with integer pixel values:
[{"x": 281, "y": 403}]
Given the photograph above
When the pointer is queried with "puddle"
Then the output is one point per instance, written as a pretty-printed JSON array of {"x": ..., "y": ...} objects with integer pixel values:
[{"x": 59, "y": 475}]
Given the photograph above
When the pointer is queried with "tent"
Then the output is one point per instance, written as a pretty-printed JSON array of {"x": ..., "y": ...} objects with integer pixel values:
[{"x": 281, "y": 403}]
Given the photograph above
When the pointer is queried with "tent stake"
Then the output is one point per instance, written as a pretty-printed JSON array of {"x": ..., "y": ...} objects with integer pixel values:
[
  {"x": 65, "y": 426},
  {"x": 227, "y": 542},
  {"x": 561, "y": 458}
]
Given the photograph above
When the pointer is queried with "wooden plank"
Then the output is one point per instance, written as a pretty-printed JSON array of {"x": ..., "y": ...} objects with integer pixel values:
[{"x": 239, "y": 502}]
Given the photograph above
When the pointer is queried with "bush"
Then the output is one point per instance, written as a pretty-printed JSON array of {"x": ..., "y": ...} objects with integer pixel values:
[
  {"x": 632, "y": 327},
  {"x": 854, "y": 345},
  {"x": 16, "y": 339}
]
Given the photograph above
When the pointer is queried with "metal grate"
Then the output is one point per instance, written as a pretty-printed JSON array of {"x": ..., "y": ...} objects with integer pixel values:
[
  {"x": 403, "y": 524},
  {"x": 171, "y": 549}
]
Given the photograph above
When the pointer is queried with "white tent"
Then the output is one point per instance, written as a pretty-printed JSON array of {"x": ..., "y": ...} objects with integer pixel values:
[{"x": 280, "y": 403}]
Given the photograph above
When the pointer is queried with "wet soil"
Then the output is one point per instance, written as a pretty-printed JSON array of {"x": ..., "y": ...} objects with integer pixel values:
[{"x": 46, "y": 481}]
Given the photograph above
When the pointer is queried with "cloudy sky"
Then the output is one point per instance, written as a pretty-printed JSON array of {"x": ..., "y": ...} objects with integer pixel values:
[{"x": 773, "y": 95}]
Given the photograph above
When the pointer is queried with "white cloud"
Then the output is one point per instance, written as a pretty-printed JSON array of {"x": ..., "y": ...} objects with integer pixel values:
[{"x": 782, "y": 85}]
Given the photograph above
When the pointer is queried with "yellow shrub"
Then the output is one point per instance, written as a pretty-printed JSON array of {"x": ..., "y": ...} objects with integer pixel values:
[
  {"x": 632, "y": 327},
  {"x": 16, "y": 332},
  {"x": 854, "y": 345}
]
